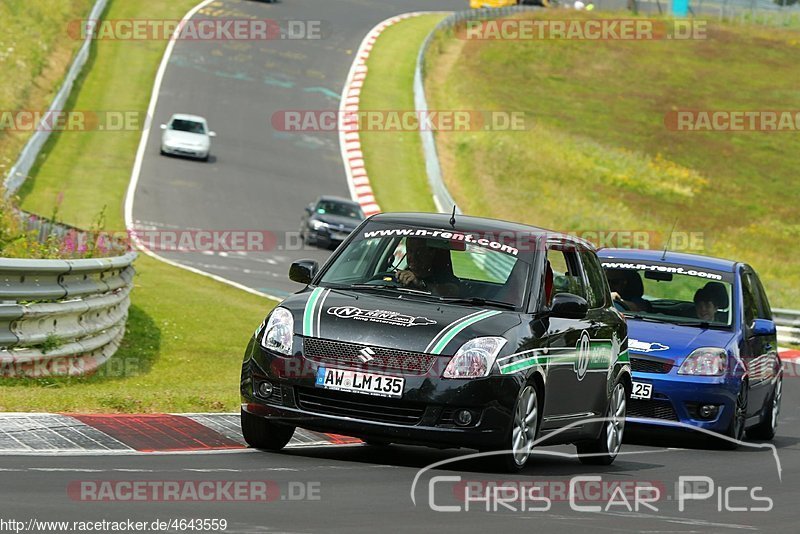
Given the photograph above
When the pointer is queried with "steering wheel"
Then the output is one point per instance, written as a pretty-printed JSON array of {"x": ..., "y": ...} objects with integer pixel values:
[{"x": 621, "y": 306}]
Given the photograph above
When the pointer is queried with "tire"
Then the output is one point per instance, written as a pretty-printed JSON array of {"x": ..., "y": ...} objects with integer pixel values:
[
  {"x": 262, "y": 434},
  {"x": 604, "y": 449},
  {"x": 766, "y": 429},
  {"x": 735, "y": 429},
  {"x": 523, "y": 431}
]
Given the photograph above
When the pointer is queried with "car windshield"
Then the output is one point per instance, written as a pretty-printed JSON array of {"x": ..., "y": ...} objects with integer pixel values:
[
  {"x": 342, "y": 209},
  {"x": 183, "y": 125},
  {"x": 449, "y": 268},
  {"x": 700, "y": 298}
]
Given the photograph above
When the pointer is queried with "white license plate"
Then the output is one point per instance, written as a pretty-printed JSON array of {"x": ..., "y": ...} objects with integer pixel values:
[
  {"x": 340, "y": 235},
  {"x": 641, "y": 390},
  {"x": 358, "y": 382}
]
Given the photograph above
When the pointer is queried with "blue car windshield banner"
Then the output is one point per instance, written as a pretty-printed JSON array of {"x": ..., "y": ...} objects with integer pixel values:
[{"x": 707, "y": 274}]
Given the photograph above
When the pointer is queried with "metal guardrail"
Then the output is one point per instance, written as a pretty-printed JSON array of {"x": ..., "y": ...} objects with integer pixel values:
[
  {"x": 62, "y": 317},
  {"x": 22, "y": 167},
  {"x": 788, "y": 322}
]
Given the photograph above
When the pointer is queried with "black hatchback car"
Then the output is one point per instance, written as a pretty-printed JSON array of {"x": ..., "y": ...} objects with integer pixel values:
[
  {"x": 329, "y": 220},
  {"x": 448, "y": 332}
]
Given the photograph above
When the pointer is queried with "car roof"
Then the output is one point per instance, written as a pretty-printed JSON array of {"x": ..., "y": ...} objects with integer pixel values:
[
  {"x": 341, "y": 200},
  {"x": 679, "y": 258},
  {"x": 187, "y": 117},
  {"x": 472, "y": 224}
]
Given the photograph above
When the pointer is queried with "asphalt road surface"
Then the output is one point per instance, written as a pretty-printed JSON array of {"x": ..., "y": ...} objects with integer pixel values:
[
  {"x": 359, "y": 488},
  {"x": 258, "y": 178}
]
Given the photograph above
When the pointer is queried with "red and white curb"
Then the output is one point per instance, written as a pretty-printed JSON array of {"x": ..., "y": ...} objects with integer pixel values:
[
  {"x": 52, "y": 434},
  {"x": 349, "y": 138},
  {"x": 790, "y": 355}
]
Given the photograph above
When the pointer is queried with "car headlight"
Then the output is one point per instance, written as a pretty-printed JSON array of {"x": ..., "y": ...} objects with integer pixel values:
[
  {"x": 277, "y": 334},
  {"x": 705, "y": 361},
  {"x": 475, "y": 358},
  {"x": 317, "y": 225}
]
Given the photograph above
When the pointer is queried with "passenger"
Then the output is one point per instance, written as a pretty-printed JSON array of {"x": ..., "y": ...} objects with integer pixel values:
[
  {"x": 429, "y": 269},
  {"x": 709, "y": 299},
  {"x": 627, "y": 289}
]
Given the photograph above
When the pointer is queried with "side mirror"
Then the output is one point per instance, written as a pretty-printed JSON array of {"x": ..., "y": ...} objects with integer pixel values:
[
  {"x": 163, "y": 126},
  {"x": 310, "y": 208},
  {"x": 212, "y": 134},
  {"x": 763, "y": 327},
  {"x": 569, "y": 306},
  {"x": 303, "y": 271}
]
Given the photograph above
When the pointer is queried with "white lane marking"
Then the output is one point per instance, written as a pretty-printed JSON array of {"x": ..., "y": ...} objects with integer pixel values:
[{"x": 140, "y": 152}]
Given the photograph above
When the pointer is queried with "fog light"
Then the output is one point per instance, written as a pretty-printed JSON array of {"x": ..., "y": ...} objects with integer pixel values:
[
  {"x": 265, "y": 389},
  {"x": 708, "y": 411},
  {"x": 463, "y": 417}
]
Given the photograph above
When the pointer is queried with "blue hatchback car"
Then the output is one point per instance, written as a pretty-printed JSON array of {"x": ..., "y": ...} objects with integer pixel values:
[{"x": 702, "y": 342}]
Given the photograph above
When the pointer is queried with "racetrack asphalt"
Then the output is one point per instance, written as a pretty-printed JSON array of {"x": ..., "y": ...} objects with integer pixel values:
[
  {"x": 360, "y": 488},
  {"x": 257, "y": 178}
]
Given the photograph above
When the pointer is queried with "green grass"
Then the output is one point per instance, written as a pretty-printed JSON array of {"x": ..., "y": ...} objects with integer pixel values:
[
  {"x": 596, "y": 154},
  {"x": 186, "y": 333},
  {"x": 394, "y": 160},
  {"x": 35, "y": 53}
]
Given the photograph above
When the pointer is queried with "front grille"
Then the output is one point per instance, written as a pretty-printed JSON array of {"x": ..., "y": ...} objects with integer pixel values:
[
  {"x": 651, "y": 366},
  {"x": 360, "y": 406},
  {"x": 325, "y": 350},
  {"x": 652, "y": 409}
]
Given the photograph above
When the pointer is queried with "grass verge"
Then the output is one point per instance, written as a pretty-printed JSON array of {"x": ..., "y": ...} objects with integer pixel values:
[
  {"x": 394, "y": 160},
  {"x": 186, "y": 333},
  {"x": 597, "y": 155},
  {"x": 35, "y": 54}
]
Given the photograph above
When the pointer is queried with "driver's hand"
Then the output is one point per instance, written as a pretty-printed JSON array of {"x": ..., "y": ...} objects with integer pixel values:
[
  {"x": 407, "y": 278},
  {"x": 616, "y": 296}
]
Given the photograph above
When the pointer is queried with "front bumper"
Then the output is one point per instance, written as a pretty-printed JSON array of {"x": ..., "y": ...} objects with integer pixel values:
[
  {"x": 423, "y": 416},
  {"x": 676, "y": 400},
  {"x": 191, "y": 152},
  {"x": 326, "y": 235}
]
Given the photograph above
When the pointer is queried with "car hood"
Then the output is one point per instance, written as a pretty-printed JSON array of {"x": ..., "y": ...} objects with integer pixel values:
[
  {"x": 178, "y": 137},
  {"x": 337, "y": 220},
  {"x": 388, "y": 321},
  {"x": 671, "y": 341}
]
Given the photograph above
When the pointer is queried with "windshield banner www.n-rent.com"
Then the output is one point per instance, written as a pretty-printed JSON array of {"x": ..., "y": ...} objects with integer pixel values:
[
  {"x": 673, "y": 269},
  {"x": 445, "y": 234}
]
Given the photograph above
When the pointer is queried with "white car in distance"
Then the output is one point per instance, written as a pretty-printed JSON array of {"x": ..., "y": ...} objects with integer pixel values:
[{"x": 186, "y": 135}]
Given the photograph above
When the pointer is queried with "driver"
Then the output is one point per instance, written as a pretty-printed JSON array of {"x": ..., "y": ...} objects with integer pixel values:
[
  {"x": 429, "y": 269},
  {"x": 627, "y": 289},
  {"x": 708, "y": 300}
]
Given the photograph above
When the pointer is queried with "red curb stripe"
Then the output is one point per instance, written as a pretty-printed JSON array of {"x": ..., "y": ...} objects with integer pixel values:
[
  {"x": 341, "y": 440},
  {"x": 790, "y": 355},
  {"x": 158, "y": 432}
]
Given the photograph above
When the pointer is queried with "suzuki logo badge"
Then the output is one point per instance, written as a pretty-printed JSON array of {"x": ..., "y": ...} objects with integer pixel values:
[{"x": 366, "y": 355}]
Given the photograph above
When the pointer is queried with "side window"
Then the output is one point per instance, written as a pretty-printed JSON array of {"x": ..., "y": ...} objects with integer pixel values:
[
  {"x": 764, "y": 310},
  {"x": 749, "y": 304},
  {"x": 567, "y": 276},
  {"x": 598, "y": 288}
]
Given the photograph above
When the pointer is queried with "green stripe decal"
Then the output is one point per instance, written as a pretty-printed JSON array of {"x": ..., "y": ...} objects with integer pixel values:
[
  {"x": 624, "y": 357},
  {"x": 308, "y": 314},
  {"x": 439, "y": 347}
]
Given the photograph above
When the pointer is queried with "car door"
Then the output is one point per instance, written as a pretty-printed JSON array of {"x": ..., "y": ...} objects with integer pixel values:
[
  {"x": 760, "y": 354},
  {"x": 568, "y": 397}
]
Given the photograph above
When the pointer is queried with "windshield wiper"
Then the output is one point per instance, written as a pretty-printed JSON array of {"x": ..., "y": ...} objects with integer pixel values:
[
  {"x": 702, "y": 324},
  {"x": 478, "y": 301}
]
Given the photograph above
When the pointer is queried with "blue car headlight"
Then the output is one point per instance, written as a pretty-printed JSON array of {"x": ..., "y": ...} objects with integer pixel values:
[
  {"x": 475, "y": 358},
  {"x": 705, "y": 361},
  {"x": 278, "y": 332}
]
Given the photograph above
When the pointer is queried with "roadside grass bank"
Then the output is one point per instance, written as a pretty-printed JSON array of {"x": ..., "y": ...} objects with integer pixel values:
[
  {"x": 394, "y": 160},
  {"x": 35, "y": 54},
  {"x": 596, "y": 154},
  {"x": 186, "y": 333}
]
